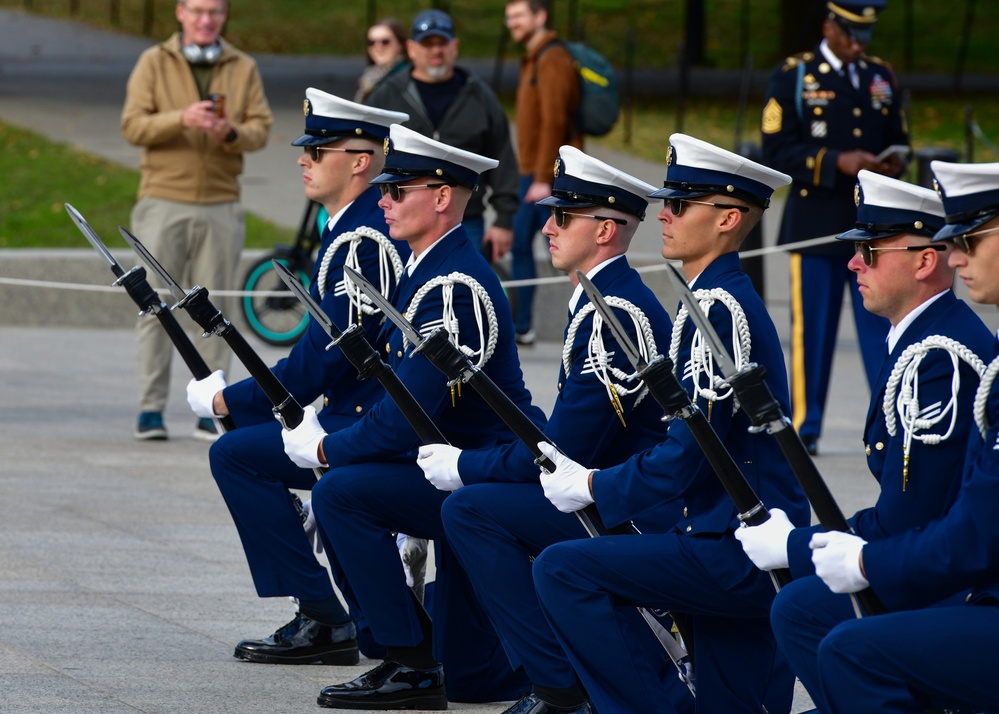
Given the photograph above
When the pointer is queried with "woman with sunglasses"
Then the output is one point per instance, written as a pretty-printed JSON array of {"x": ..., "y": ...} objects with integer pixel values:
[
  {"x": 919, "y": 419},
  {"x": 386, "y": 52}
]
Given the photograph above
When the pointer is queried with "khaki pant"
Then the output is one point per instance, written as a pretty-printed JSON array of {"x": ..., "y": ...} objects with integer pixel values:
[{"x": 198, "y": 245}]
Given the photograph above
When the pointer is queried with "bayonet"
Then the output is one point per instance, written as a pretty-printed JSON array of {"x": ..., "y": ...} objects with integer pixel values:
[
  {"x": 149, "y": 303},
  {"x": 458, "y": 368},
  {"x": 366, "y": 360},
  {"x": 765, "y": 413},
  {"x": 213, "y": 322},
  {"x": 666, "y": 389}
]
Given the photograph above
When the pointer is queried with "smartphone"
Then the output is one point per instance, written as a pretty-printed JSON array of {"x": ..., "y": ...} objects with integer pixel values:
[{"x": 218, "y": 104}]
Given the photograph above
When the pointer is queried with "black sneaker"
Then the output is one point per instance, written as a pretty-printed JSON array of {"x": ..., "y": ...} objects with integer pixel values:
[
  {"x": 205, "y": 430},
  {"x": 150, "y": 427}
]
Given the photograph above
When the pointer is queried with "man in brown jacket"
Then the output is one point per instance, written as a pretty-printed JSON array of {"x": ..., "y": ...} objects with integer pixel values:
[
  {"x": 547, "y": 97},
  {"x": 194, "y": 104}
]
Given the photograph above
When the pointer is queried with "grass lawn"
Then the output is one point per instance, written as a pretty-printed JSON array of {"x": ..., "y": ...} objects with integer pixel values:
[{"x": 39, "y": 176}]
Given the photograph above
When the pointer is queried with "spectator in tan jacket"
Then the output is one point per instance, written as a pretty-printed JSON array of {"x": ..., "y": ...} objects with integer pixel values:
[
  {"x": 194, "y": 104},
  {"x": 547, "y": 97}
]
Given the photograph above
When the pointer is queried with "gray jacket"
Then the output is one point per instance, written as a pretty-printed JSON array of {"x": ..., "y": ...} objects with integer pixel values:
[{"x": 475, "y": 122}]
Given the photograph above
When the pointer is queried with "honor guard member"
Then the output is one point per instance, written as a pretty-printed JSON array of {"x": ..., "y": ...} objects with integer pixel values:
[
  {"x": 601, "y": 416},
  {"x": 940, "y": 582},
  {"x": 342, "y": 152},
  {"x": 374, "y": 487},
  {"x": 827, "y": 114},
  {"x": 588, "y": 589},
  {"x": 920, "y": 415}
]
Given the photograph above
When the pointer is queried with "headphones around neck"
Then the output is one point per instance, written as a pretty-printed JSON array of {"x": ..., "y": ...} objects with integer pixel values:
[{"x": 198, "y": 55}]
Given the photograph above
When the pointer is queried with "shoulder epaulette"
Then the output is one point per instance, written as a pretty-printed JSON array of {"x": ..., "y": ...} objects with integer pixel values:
[
  {"x": 794, "y": 60},
  {"x": 878, "y": 60}
]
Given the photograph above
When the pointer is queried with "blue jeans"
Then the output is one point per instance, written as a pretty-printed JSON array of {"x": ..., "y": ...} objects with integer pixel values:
[
  {"x": 526, "y": 223},
  {"x": 475, "y": 228}
]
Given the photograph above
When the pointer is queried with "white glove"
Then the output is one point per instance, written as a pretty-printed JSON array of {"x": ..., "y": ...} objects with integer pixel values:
[
  {"x": 302, "y": 443},
  {"x": 766, "y": 544},
  {"x": 836, "y": 556},
  {"x": 440, "y": 466},
  {"x": 568, "y": 487},
  {"x": 310, "y": 527},
  {"x": 201, "y": 394}
]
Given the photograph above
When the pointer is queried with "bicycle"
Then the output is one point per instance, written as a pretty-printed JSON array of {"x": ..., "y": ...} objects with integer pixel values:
[{"x": 280, "y": 319}]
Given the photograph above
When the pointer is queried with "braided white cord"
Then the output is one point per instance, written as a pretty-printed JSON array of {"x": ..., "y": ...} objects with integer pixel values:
[
  {"x": 982, "y": 397},
  {"x": 902, "y": 391},
  {"x": 597, "y": 356},
  {"x": 449, "y": 320},
  {"x": 388, "y": 259},
  {"x": 701, "y": 359}
]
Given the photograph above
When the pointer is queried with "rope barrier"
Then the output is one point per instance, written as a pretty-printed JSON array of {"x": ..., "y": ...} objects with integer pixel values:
[{"x": 555, "y": 280}]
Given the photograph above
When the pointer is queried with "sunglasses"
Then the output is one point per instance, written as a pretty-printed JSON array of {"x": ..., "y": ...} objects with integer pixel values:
[
  {"x": 559, "y": 214},
  {"x": 395, "y": 190},
  {"x": 867, "y": 252},
  {"x": 675, "y": 205},
  {"x": 964, "y": 245},
  {"x": 384, "y": 41},
  {"x": 313, "y": 151}
]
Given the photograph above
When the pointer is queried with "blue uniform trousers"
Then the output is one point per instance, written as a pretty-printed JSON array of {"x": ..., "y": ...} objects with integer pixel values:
[
  {"x": 589, "y": 589},
  {"x": 528, "y": 220},
  {"x": 495, "y": 530},
  {"x": 254, "y": 475},
  {"x": 816, "y": 299},
  {"x": 358, "y": 507},
  {"x": 908, "y": 661}
]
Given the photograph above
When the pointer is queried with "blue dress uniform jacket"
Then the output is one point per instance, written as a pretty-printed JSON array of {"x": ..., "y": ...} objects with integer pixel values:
[
  {"x": 942, "y": 584},
  {"x": 374, "y": 486},
  {"x": 583, "y": 422},
  {"x": 501, "y": 519},
  {"x": 933, "y": 474},
  {"x": 310, "y": 370},
  {"x": 811, "y": 114},
  {"x": 587, "y": 587}
]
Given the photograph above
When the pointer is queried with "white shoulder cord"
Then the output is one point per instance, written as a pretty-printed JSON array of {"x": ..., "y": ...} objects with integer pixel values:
[
  {"x": 598, "y": 359},
  {"x": 449, "y": 321},
  {"x": 388, "y": 259},
  {"x": 982, "y": 397},
  {"x": 902, "y": 395},
  {"x": 701, "y": 360}
]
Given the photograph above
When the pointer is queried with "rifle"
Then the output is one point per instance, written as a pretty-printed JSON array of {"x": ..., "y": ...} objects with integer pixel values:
[
  {"x": 458, "y": 368},
  {"x": 142, "y": 294},
  {"x": 765, "y": 413},
  {"x": 366, "y": 360},
  {"x": 288, "y": 411},
  {"x": 666, "y": 389}
]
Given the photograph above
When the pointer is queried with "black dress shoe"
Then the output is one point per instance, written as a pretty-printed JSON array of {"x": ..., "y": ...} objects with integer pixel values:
[
  {"x": 390, "y": 685},
  {"x": 811, "y": 444},
  {"x": 532, "y": 705},
  {"x": 303, "y": 641}
]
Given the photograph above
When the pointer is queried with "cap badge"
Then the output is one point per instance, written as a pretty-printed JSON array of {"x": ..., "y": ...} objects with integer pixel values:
[
  {"x": 305, "y": 108},
  {"x": 558, "y": 165},
  {"x": 669, "y": 155},
  {"x": 386, "y": 144},
  {"x": 856, "y": 194},
  {"x": 936, "y": 187}
]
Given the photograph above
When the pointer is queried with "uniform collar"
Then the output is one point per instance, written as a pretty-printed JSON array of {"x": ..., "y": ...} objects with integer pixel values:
[{"x": 578, "y": 292}]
